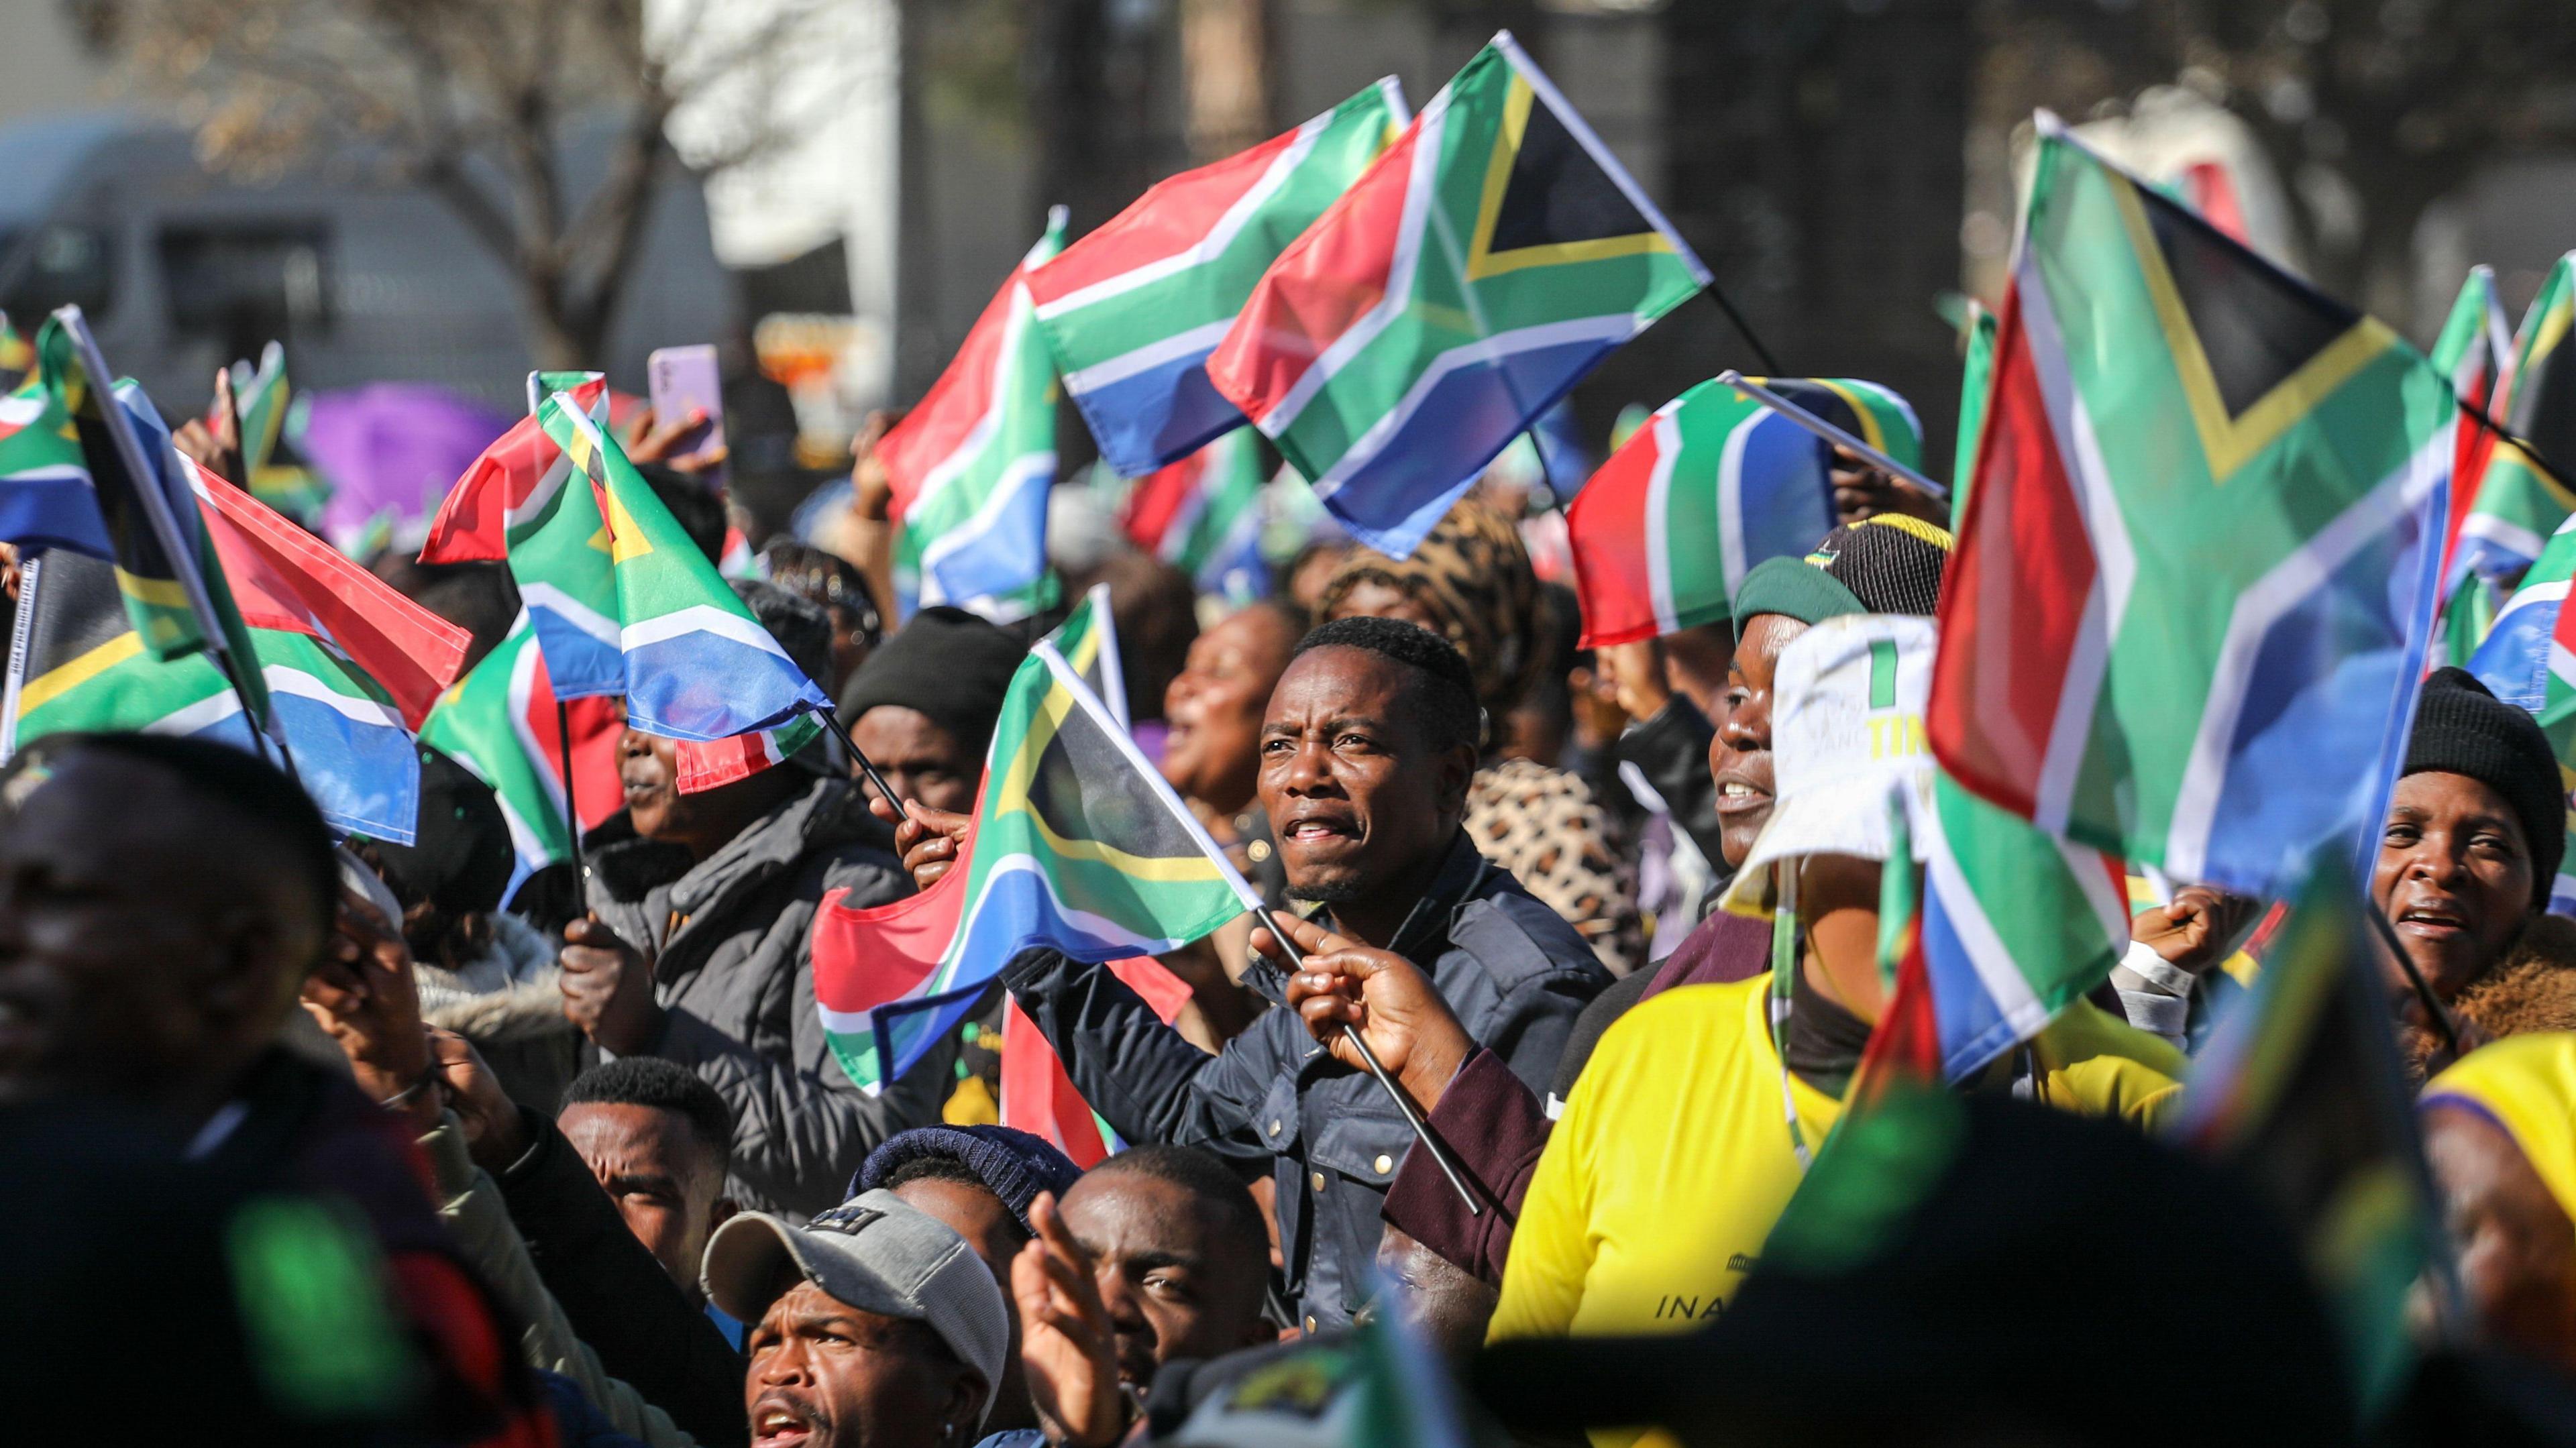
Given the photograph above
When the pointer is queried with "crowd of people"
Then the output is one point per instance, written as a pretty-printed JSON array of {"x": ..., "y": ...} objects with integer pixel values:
[{"x": 402, "y": 1164}]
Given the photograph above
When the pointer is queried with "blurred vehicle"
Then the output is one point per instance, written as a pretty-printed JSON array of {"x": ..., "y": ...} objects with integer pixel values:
[{"x": 182, "y": 269}]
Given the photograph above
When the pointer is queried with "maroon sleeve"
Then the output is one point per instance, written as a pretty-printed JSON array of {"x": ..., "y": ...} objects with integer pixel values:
[{"x": 1495, "y": 1127}]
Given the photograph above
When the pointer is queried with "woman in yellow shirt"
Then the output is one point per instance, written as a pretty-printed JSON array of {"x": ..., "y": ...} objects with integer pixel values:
[{"x": 1690, "y": 1128}]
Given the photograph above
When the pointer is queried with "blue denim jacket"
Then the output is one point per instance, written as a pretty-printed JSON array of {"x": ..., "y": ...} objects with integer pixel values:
[{"x": 1515, "y": 975}]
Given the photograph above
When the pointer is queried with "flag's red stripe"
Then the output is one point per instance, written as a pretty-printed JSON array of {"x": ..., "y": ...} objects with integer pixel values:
[
  {"x": 2016, "y": 591},
  {"x": 2469, "y": 454},
  {"x": 948, "y": 412},
  {"x": 718, "y": 762},
  {"x": 865, "y": 958},
  {"x": 472, "y": 523},
  {"x": 1606, "y": 526},
  {"x": 1172, "y": 216},
  {"x": 1324, "y": 282},
  {"x": 1161, "y": 496},
  {"x": 282, "y": 577},
  {"x": 1038, "y": 1097},
  {"x": 598, "y": 728}
]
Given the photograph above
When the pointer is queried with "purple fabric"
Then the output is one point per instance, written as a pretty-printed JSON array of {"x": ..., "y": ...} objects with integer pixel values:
[
  {"x": 392, "y": 446},
  {"x": 1725, "y": 948},
  {"x": 1150, "y": 736}
]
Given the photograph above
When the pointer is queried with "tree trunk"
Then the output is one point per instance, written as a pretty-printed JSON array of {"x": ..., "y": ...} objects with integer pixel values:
[{"x": 1225, "y": 52}]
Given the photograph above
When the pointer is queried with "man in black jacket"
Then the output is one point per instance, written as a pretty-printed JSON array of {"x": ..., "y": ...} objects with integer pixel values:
[{"x": 1366, "y": 751}]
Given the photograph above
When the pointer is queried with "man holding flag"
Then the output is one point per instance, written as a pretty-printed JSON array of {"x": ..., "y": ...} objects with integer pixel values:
[{"x": 1365, "y": 756}]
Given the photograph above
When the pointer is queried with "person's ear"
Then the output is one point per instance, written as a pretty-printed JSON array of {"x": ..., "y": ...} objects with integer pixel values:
[
  {"x": 962, "y": 1413},
  {"x": 1457, "y": 772},
  {"x": 246, "y": 974},
  {"x": 721, "y": 1213}
]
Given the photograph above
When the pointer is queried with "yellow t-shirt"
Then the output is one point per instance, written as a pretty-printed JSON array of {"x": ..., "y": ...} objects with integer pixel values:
[{"x": 1673, "y": 1160}]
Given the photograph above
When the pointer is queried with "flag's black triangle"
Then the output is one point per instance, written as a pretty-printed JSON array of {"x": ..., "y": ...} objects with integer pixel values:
[
  {"x": 1085, "y": 788},
  {"x": 1557, "y": 193},
  {"x": 2544, "y": 404},
  {"x": 2257, "y": 324}
]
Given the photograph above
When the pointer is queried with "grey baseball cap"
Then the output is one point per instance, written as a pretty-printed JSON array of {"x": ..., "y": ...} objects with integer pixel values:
[{"x": 877, "y": 1254}]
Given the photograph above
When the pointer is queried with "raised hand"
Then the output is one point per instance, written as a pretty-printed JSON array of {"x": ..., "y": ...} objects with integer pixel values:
[
  {"x": 1862, "y": 492},
  {"x": 871, "y": 491},
  {"x": 608, "y": 989},
  {"x": 1380, "y": 994},
  {"x": 2193, "y": 929},
  {"x": 1636, "y": 674},
  {"x": 364, "y": 998},
  {"x": 652, "y": 439},
  {"x": 496, "y": 1136},
  {"x": 929, "y": 840},
  {"x": 1067, "y": 1349}
]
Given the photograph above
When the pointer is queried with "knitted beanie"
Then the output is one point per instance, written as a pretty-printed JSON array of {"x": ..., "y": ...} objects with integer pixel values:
[
  {"x": 2461, "y": 728},
  {"x": 1888, "y": 564},
  {"x": 947, "y": 663},
  {"x": 1014, "y": 1164}
]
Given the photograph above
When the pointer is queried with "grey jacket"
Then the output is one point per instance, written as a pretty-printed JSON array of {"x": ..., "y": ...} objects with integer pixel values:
[
  {"x": 730, "y": 938},
  {"x": 1514, "y": 973}
]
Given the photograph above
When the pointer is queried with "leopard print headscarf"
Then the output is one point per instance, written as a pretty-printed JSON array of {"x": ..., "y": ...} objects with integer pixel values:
[{"x": 1473, "y": 576}]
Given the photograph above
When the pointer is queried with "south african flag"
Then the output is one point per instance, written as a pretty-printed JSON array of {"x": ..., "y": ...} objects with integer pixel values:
[
  {"x": 1467, "y": 279},
  {"x": 1079, "y": 845}
]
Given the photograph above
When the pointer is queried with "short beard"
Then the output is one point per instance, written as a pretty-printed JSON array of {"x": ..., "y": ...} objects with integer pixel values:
[{"x": 1340, "y": 892}]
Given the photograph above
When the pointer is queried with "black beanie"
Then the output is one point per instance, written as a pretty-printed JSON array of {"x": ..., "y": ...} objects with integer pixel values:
[
  {"x": 946, "y": 663},
  {"x": 2461, "y": 728}
]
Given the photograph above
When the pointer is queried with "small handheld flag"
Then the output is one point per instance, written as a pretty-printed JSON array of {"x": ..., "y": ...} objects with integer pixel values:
[
  {"x": 1474, "y": 273},
  {"x": 2475, "y": 351},
  {"x": 1714, "y": 483},
  {"x": 1079, "y": 845},
  {"x": 1133, "y": 309},
  {"x": 697, "y": 665},
  {"x": 972, "y": 463},
  {"x": 2522, "y": 495},
  {"x": 2201, "y": 551}
]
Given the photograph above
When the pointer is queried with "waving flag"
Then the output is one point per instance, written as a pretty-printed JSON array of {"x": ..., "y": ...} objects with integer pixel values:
[
  {"x": 2529, "y": 658},
  {"x": 499, "y": 723},
  {"x": 2519, "y": 502},
  {"x": 1133, "y": 309},
  {"x": 346, "y": 660},
  {"x": 2018, "y": 925},
  {"x": 2201, "y": 552},
  {"x": 698, "y": 666},
  {"x": 284, "y": 579},
  {"x": 260, "y": 397},
  {"x": 1713, "y": 484},
  {"x": 513, "y": 505},
  {"x": 45, "y": 495},
  {"x": 2300, "y": 1090},
  {"x": 503, "y": 498},
  {"x": 1203, "y": 515},
  {"x": 167, "y": 594},
  {"x": 972, "y": 463},
  {"x": 2475, "y": 351},
  {"x": 1467, "y": 279},
  {"x": 1079, "y": 845}
]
